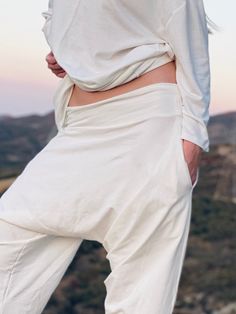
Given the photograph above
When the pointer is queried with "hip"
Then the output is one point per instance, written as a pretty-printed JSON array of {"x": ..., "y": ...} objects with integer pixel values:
[{"x": 162, "y": 74}]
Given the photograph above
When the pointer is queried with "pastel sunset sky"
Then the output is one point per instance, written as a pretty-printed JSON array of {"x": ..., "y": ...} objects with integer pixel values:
[{"x": 27, "y": 86}]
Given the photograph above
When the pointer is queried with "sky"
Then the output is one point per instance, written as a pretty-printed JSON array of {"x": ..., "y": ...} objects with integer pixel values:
[{"x": 27, "y": 85}]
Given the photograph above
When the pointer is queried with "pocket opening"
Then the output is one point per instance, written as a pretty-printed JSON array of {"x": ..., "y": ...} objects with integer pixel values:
[{"x": 186, "y": 169}]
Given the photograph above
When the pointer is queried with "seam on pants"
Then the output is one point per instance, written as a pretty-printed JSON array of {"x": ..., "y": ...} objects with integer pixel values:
[
  {"x": 10, "y": 275},
  {"x": 64, "y": 257},
  {"x": 67, "y": 258}
]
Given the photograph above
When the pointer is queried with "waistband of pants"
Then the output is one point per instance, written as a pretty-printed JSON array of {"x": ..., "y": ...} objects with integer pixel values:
[{"x": 157, "y": 99}]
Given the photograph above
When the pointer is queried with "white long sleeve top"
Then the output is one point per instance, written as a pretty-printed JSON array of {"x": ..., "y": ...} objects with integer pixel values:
[{"x": 102, "y": 44}]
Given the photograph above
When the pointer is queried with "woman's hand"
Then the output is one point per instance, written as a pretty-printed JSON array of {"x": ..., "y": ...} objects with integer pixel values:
[
  {"x": 54, "y": 66},
  {"x": 192, "y": 154}
]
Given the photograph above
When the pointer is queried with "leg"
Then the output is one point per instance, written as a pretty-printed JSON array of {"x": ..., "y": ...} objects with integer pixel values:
[
  {"x": 44, "y": 215},
  {"x": 38, "y": 239},
  {"x": 146, "y": 263},
  {"x": 31, "y": 267},
  {"x": 146, "y": 244}
]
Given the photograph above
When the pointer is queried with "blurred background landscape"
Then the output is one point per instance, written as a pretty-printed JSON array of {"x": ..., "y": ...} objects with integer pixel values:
[{"x": 208, "y": 281}]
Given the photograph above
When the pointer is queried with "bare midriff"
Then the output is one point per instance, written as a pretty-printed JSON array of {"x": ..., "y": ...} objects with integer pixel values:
[{"x": 162, "y": 74}]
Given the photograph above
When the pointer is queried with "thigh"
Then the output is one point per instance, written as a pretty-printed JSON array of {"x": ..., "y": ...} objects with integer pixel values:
[
  {"x": 47, "y": 196},
  {"x": 75, "y": 186},
  {"x": 31, "y": 267}
]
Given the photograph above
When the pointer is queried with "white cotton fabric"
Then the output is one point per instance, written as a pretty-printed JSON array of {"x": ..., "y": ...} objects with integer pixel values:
[
  {"x": 115, "y": 173},
  {"x": 102, "y": 44}
]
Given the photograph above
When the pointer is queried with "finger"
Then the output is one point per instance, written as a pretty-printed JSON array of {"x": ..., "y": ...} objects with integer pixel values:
[
  {"x": 51, "y": 59},
  {"x": 61, "y": 75},
  {"x": 54, "y": 66},
  {"x": 58, "y": 71}
]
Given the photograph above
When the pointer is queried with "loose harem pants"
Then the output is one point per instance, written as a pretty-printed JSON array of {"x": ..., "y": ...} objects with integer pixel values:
[{"x": 115, "y": 172}]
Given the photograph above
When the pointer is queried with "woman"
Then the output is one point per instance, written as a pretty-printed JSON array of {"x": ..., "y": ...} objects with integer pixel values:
[{"x": 131, "y": 110}]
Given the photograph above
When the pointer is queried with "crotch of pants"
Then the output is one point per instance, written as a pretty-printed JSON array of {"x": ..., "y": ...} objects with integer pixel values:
[{"x": 115, "y": 172}]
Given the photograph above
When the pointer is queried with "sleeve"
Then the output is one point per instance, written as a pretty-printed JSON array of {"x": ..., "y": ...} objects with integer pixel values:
[
  {"x": 187, "y": 33},
  {"x": 47, "y": 15}
]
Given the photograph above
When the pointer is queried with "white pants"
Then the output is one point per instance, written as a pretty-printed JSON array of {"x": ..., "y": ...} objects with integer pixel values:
[{"x": 115, "y": 172}]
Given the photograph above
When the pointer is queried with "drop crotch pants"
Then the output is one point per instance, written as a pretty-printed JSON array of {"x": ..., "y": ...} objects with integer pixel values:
[{"x": 114, "y": 173}]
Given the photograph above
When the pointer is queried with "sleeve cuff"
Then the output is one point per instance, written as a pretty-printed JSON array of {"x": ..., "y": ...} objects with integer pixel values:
[{"x": 195, "y": 132}]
